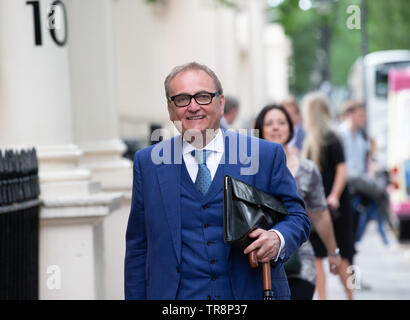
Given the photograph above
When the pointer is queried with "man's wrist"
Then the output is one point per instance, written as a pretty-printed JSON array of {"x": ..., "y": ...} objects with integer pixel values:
[
  {"x": 335, "y": 253},
  {"x": 281, "y": 251}
]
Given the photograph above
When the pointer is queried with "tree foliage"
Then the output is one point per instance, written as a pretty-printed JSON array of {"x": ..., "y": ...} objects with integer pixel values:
[
  {"x": 388, "y": 23},
  {"x": 228, "y": 3}
]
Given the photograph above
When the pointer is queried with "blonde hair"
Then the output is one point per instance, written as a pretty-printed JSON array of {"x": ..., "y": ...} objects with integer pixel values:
[{"x": 316, "y": 120}]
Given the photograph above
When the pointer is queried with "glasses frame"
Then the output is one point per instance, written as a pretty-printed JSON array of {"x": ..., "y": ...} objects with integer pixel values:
[{"x": 213, "y": 95}]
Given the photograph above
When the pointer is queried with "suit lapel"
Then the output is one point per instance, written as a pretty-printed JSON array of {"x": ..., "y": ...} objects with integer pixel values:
[
  {"x": 169, "y": 178},
  {"x": 232, "y": 165}
]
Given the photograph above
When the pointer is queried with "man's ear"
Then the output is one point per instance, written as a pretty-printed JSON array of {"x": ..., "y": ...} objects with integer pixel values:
[
  {"x": 171, "y": 112},
  {"x": 222, "y": 102}
]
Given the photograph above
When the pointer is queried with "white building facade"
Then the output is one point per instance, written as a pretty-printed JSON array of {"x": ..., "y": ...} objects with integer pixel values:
[{"x": 78, "y": 76}]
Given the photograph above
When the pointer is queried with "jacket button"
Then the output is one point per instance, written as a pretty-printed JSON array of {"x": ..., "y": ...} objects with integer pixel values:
[
  {"x": 213, "y": 278},
  {"x": 206, "y": 225},
  {"x": 205, "y": 206},
  {"x": 212, "y": 261},
  {"x": 178, "y": 269}
]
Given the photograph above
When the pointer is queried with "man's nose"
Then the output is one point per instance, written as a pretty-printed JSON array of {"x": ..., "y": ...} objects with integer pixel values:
[{"x": 193, "y": 105}]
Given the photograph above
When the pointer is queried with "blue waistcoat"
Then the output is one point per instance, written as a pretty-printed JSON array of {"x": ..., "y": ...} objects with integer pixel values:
[{"x": 204, "y": 253}]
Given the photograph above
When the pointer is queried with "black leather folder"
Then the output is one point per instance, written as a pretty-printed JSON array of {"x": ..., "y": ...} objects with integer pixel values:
[{"x": 247, "y": 208}]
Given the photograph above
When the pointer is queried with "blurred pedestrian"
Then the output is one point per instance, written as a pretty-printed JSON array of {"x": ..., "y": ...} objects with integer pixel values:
[
  {"x": 275, "y": 125},
  {"x": 291, "y": 106},
  {"x": 324, "y": 147},
  {"x": 231, "y": 111},
  {"x": 371, "y": 200}
]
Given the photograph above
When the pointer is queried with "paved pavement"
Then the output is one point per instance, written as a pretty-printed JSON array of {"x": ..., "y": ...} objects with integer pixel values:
[{"x": 383, "y": 272}]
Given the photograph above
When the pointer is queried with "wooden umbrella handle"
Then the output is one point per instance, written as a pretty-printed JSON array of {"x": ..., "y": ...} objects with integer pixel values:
[
  {"x": 267, "y": 283},
  {"x": 253, "y": 261}
]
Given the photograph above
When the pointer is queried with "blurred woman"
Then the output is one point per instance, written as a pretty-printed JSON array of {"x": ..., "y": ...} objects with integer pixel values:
[
  {"x": 275, "y": 125},
  {"x": 324, "y": 147}
]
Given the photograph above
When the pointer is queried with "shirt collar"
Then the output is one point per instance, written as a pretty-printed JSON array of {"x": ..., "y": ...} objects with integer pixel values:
[{"x": 216, "y": 144}]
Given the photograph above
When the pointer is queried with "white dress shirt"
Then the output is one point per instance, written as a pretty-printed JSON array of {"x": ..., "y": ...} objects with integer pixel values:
[{"x": 215, "y": 150}]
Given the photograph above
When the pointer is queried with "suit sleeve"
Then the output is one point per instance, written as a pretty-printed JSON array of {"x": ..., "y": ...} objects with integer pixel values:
[
  {"x": 136, "y": 242},
  {"x": 295, "y": 227}
]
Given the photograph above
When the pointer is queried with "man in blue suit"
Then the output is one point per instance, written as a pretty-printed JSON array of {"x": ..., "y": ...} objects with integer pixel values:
[{"x": 174, "y": 240}]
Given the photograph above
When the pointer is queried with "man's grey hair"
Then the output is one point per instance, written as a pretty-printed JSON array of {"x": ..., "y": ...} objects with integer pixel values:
[{"x": 191, "y": 66}]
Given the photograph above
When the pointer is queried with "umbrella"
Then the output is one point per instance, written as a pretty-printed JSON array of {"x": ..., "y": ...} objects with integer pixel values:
[{"x": 247, "y": 208}]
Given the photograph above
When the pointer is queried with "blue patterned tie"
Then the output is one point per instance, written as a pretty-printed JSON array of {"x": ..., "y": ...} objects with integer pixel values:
[{"x": 203, "y": 179}]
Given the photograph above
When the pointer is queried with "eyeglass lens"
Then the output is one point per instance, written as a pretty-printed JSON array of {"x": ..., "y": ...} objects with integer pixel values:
[{"x": 201, "y": 98}]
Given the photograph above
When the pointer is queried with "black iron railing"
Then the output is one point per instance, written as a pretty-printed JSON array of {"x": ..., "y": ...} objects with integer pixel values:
[{"x": 19, "y": 224}]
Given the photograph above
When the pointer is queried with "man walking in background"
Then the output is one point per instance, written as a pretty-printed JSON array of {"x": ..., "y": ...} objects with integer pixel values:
[
  {"x": 231, "y": 111},
  {"x": 291, "y": 106}
]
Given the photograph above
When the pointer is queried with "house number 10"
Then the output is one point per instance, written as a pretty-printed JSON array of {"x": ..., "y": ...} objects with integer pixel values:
[{"x": 52, "y": 22}]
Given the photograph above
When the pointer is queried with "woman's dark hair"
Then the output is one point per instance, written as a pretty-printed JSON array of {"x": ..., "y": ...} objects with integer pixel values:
[{"x": 261, "y": 117}]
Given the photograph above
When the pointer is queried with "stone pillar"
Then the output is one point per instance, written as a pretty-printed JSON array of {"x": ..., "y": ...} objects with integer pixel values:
[
  {"x": 257, "y": 60},
  {"x": 251, "y": 67},
  {"x": 94, "y": 97},
  {"x": 94, "y": 93},
  {"x": 141, "y": 53},
  {"x": 227, "y": 48},
  {"x": 35, "y": 110},
  {"x": 34, "y": 79},
  {"x": 277, "y": 53}
]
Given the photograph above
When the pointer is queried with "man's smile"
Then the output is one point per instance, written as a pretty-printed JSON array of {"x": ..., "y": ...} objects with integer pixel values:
[{"x": 195, "y": 117}]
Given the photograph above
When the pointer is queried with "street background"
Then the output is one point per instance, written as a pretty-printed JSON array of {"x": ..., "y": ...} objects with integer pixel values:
[
  {"x": 384, "y": 271},
  {"x": 81, "y": 84}
]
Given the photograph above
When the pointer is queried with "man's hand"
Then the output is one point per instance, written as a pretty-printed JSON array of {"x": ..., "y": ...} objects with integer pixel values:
[
  {"x": 333, "y": 202},
  {"x": 334, "y": 263},
  {"x": 267, "y": 245}
]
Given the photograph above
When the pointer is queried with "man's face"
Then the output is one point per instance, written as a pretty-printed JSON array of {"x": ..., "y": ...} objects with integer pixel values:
[
  {"x": 231, "y": 116},
  {"x": 359, "y": 118},
  {"x": 195, "y": 116},
  {"x": 293, "y": 112}
]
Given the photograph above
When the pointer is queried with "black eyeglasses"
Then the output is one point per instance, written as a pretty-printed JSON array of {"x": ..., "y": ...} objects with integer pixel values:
[{"x": 202, "y": 98}]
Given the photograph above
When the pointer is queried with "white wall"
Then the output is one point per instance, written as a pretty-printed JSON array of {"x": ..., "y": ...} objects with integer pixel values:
[
  {"x": 113, "y": 66},
  {"x": 151, "y": 39},
  {"x": 278, "y": 51},
  {"x": 34, "y": 81}
]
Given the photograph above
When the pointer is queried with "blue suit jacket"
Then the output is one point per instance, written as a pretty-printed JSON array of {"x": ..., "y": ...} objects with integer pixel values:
[{"x": 153, "y": 238}]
